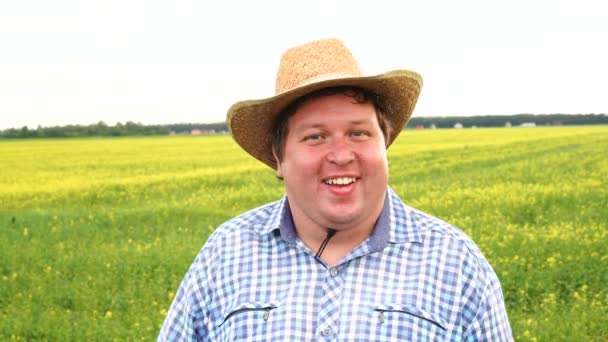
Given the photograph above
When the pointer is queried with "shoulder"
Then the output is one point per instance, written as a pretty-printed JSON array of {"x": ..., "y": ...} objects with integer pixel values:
[
  {"x": 257, "y": 221},
  {"x": 430, "y": 232},
  {"x": 433, "y": 228},
  {"x": 228, "y": 242}
]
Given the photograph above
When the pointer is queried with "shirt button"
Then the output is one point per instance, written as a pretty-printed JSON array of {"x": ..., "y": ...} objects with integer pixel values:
[
  {"x": 326, "y": 332},
  {"x": 333, "y": 271}
]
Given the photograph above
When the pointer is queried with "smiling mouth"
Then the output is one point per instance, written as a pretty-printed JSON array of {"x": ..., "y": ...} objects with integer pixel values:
[{"x": 340, "y": 181}]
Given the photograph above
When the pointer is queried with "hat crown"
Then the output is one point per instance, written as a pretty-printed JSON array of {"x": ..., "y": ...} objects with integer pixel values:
[{"x": 317, "y": 60}]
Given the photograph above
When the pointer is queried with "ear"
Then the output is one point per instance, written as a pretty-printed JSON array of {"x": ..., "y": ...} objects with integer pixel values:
[{"x": 279, "y": 168}]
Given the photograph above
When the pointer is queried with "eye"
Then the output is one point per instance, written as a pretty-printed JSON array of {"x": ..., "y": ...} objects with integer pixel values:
[
  {"x": 360, "y": 134},
  {"x": 313, "y": 138}
]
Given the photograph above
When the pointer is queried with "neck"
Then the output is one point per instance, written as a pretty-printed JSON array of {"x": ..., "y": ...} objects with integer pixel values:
[
  {"x": 350, "y": 232},
  {"x": 338, "y": 245},
  {"x": 337, "y": 248}
]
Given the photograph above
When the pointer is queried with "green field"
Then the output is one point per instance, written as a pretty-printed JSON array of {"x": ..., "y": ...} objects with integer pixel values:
[{"x": 96, "y": 234}]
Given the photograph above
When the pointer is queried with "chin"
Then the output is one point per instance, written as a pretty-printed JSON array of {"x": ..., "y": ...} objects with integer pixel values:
[{"x": 340, "y": 220}]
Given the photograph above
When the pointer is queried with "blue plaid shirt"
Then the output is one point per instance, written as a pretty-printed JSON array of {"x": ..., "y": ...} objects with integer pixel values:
[{"x": 416, "y": 278}]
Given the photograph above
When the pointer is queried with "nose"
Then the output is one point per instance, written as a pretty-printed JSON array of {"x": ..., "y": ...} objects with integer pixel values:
[{"x": 340, "y": 152}]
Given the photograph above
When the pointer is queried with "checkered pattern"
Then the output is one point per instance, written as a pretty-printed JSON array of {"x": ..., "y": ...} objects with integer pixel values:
[{"x": 416, "y": 278}]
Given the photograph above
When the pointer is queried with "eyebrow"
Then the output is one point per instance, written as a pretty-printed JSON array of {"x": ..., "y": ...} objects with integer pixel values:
[
  {"x": 353, "y": 122},
  {"x": 361, "y": 122}
]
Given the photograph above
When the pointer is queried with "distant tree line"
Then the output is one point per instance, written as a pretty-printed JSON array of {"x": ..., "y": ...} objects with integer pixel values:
[
  {"x": 137, "y": 129},
  {"x": 505, "y": 120},
  {"x": 102, "y": 129}
]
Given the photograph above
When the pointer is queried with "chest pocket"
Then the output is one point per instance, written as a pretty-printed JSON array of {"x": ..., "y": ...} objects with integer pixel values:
[
  {"x": 408, "y": 322},
  {"x": 251, "y": 321}
]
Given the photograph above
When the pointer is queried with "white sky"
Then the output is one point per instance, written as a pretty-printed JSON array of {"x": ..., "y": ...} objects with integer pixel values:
[{"x": 79, "y": 62}]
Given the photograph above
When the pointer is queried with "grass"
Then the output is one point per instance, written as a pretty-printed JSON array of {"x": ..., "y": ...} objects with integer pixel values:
[{"x": 96, "y": 234}]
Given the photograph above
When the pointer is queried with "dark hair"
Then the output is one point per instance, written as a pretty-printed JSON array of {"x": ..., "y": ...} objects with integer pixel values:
[{"x": 360, "y": 95}]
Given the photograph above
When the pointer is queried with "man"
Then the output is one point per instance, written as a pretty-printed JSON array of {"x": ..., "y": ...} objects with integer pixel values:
[{"x": 340, "y": 257}]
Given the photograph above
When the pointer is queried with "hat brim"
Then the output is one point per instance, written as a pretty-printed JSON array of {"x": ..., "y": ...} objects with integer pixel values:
[{"x": 251, "y": 122}]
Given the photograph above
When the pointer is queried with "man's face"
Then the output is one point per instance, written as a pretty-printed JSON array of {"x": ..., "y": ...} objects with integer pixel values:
[{"x": 334, "y": 163}]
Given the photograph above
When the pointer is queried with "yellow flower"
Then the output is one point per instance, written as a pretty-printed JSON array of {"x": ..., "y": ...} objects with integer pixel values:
[{"x": 108, "y": 314}]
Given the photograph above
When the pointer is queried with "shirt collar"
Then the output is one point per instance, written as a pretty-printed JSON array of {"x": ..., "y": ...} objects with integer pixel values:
[
  {"x": 396, "y": 224},
  {"x": 404, "y": 223}
]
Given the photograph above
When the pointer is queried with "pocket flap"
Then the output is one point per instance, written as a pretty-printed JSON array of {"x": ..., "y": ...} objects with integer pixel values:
[
  {"x": 246, "y": 307},
  {"x": 414, "y": 311}
]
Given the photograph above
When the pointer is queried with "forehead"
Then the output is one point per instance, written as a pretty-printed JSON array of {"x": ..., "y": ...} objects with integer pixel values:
[{"x": 333, "y": 108}]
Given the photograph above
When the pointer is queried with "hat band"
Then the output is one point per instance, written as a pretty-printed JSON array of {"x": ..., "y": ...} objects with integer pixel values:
[{"x": 325, "y": 77}]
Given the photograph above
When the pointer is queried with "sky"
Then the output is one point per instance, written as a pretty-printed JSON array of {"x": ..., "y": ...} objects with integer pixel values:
[{"x": 159, "y": 62}]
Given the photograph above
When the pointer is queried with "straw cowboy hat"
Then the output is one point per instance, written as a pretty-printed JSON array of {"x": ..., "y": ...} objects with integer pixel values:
[{"x": 310, "y": 67}]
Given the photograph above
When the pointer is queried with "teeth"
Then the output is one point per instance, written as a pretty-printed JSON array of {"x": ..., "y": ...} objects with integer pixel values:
[{"x": 340, "y": 181}]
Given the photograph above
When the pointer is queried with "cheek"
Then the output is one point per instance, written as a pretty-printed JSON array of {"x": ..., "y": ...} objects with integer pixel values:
[
  {"x": 375, "y": 155},
  {"x": 303, "y": 163},
  {"x": 296, "y": 163}
]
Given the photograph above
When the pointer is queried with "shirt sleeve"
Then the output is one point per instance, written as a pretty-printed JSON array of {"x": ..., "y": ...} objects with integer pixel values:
[
  {"x": 490, "y": 322},
  {"x": 187, "y": 316}
]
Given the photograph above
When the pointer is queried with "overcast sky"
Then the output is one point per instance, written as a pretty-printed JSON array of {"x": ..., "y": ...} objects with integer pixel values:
[{"x": 80, "y": 62}]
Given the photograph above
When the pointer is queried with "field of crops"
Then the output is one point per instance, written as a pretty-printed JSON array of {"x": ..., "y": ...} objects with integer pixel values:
[{"x": 96, "y": 234}]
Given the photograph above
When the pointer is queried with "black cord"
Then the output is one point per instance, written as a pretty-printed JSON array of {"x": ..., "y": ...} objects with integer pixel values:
[{"x": 330, "y": 233}]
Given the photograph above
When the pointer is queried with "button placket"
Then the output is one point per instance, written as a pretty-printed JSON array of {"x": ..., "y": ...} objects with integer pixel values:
[{"x": 329, "y": 314}]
